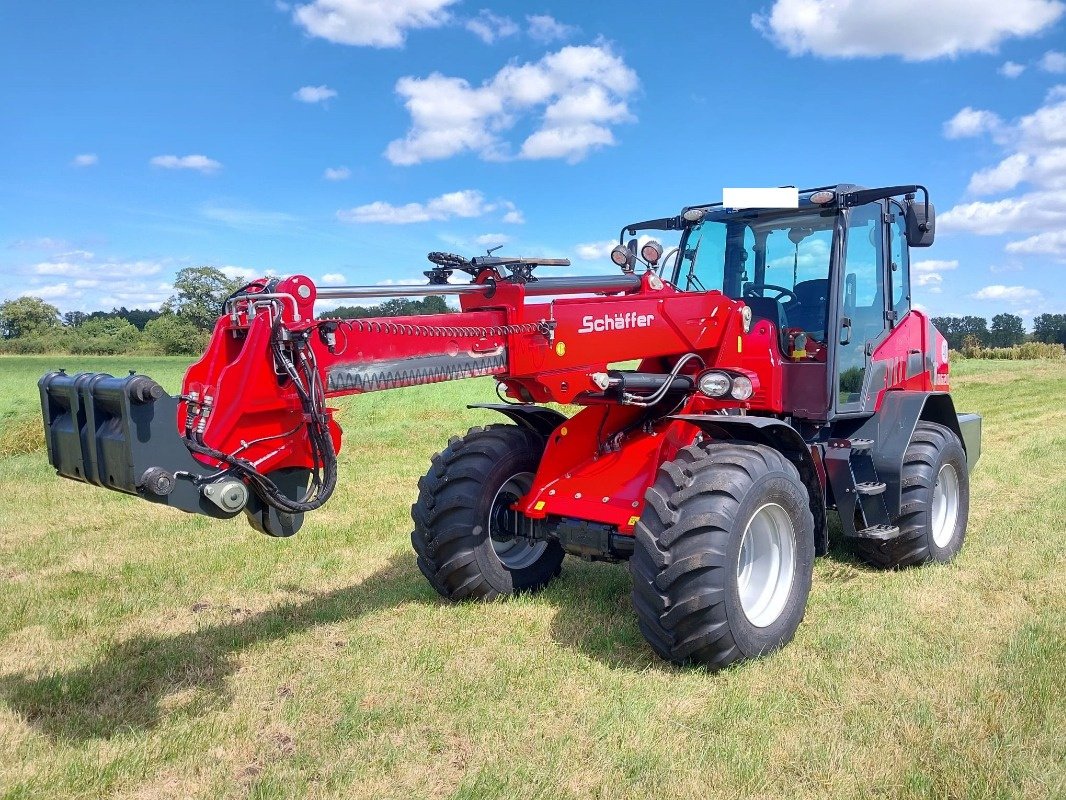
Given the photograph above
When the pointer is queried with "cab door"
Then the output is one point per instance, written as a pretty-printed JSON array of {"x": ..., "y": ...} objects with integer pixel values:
[{"x": 861, "y": 305}]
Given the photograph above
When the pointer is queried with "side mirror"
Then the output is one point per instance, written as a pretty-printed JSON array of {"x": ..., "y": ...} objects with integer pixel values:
[{"x": 920, "y": 230}]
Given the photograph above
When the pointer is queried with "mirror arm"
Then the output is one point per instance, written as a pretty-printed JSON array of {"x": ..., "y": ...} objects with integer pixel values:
[{"x": 661, "y": 224}]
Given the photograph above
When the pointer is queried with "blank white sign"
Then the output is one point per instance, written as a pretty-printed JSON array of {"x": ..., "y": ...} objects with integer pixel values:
[{"x": 761, "y": 198}]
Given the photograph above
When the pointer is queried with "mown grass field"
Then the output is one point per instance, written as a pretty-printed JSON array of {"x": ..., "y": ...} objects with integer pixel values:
[{"x": 144, "y": 653}]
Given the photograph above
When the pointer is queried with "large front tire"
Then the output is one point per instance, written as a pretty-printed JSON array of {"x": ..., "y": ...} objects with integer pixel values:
[
  {"x": 935, "y": 503},
  {"x": 724, "y": 555},
  {"x": 463, "y": 523}
]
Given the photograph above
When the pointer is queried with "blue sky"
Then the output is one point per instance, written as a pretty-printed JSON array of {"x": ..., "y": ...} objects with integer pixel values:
[{"x": 344, "y": 139}]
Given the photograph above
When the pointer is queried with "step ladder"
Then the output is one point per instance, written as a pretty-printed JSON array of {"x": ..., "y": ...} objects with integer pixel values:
[{"x": 858, "y": 491}]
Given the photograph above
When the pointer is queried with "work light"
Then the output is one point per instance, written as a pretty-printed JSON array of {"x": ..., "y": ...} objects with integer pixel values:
[{"x": 714, "y": 384}]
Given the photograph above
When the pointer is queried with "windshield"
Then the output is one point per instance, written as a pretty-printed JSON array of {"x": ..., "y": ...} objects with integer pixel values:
[{"x": 768, "y": 258}]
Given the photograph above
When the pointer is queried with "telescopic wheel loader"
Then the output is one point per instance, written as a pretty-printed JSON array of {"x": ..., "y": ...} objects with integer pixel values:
[{"x": 780, "y": 373}]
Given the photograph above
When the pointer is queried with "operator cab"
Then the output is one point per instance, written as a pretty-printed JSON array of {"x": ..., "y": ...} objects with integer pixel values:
[{"x": 832, "y": 276}]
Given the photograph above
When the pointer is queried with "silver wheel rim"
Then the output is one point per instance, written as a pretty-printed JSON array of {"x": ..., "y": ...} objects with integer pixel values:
[
  {"x": 514, "y": 552},
  {"x": 945, "y": 512},
  {"x": 767, "y": 565}
]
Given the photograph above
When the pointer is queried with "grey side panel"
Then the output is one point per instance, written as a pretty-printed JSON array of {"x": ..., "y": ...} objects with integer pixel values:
[
  {"x": 539, "y": 419},
  {"x": 784, "y": 438},
  {"x": 970, "y": 425}
]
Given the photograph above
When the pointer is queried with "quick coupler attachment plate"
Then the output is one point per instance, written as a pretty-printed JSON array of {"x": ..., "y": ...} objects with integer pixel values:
[{"x": 122, "y": 434}]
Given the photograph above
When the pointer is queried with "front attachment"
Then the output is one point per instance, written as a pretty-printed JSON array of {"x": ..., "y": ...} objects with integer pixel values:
[{"x": 121, "y": 434}]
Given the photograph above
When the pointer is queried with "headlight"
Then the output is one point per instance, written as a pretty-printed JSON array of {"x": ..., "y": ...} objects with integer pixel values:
[
  {"x": 714, "y": 384},
  {"x": 621, "y": 256},
  {"x": 652, "y": 251},
  {"x": 742, "y": 388}
]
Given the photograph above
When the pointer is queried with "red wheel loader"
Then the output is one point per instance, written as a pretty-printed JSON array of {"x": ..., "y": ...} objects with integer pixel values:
[{"x": 774, "y": 371}]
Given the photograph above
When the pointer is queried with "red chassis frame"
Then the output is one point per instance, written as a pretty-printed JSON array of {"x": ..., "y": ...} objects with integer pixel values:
[{"x": 598, "y": 464}]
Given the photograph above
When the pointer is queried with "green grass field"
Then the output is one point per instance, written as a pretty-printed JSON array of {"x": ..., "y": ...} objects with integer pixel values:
[{"x": 144, "y": 653}]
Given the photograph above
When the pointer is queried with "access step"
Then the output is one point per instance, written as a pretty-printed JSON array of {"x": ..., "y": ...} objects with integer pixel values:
[
  {"x": 870, "y": 487},
  {"x": 881, "y": 533},
  {"x": 855, "y": 445}
]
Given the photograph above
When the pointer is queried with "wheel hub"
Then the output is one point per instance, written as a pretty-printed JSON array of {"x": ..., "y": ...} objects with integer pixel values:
[
  {"x": 514, "y": 550},
  {"x": 767, "y": 565},
  {"x": 945, "y": 510}
]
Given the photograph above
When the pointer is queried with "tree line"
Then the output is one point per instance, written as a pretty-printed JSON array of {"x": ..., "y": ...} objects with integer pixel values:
[
  {"x": 1005, "y": 330},
  {"x": 182, "y": 326}
]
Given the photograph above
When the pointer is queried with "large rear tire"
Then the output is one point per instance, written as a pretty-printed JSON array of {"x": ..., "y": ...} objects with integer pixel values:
[
  {"x": 463, "y": 523},
  {"x": 935, "y": 503},
  {"x": 724, "y": 555}
]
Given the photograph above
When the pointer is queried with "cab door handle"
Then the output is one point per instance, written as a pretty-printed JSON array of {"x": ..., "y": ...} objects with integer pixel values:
[{"x": 845, "y": 330}]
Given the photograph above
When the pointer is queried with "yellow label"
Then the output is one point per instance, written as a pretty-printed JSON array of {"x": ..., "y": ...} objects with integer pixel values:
[
  {"x": 539, "y": 506},
  {"x": 560, "y": 349},
  {"x": 799, "y": 353},
  {"x": 633, "y": 520}
]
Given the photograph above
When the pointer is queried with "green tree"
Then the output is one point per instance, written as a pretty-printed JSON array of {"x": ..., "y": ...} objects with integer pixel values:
[
  {"x": 1050, "y": 328},
  {"x": 200, "y": 292},
  {"x": 25, "y": 315},
  {"x": 105, "y": 335},
  {"x": 1007, "y": 330},
  {"x": 72, "y": 319},
  {"x": 174, "y": 336}
]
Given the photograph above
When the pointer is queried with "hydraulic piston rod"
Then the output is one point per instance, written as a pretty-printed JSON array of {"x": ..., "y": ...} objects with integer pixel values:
[{"x": 587, "y": 284}]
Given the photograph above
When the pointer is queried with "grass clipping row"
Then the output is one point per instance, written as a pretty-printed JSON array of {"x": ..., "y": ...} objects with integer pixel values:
[{"x": 21, "y": 434}]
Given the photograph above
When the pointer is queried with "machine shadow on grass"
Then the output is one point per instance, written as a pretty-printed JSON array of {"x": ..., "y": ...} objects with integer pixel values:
[{"x": 124, "y": 688}]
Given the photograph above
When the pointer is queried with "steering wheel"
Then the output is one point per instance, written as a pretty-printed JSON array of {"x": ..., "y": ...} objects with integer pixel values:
[{"x": 752, "y": 290}]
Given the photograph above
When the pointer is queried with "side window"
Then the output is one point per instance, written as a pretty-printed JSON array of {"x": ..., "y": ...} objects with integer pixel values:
[
  {"x": 862, "y": 301},
  {"x": 901, "y": 268}
]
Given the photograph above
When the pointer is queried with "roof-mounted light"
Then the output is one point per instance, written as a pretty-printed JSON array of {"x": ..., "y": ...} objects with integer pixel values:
[
  {"x": 824, "y": 197},
  {"x": 622, "y": 257},
  {"x": 651, "y": 252}
]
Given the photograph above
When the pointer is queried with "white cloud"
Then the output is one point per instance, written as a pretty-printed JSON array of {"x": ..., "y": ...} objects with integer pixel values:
[
  {"x": 466, "y": 203},
  {"x": 196, "y": 162},
  {"x": 1010, "y": 69},
  {"x": 934, "y": 265},
  {"x": 595, "y": 251},
  {"x": 51, "y": 292},
  {"x": 492, "y": 239},
  {"x": 1007, "y": 174},
  {"x": 1035, "y": 211},
  {"x": 337, "y": 174},
  {"x": 240, "y": 273},
  {"x": 1049, "y": 243},
  {"x": 916, "y": 30},
  {"x": 971, "y": 122},
  {"x": 370, "y": 23},
  {"x": 582, "y": 90},
  {"x": 314, "y": 94},
  {"x": 43, "y": 243},
  {"x": 545, "y": 28},
  {"x": 82, "y": 265},
  {"x": 80, "y": 280},
  {"x": 1011, "y": 294},
  {"x": 246, "y": 218},
  {"x": 489, "y": 27},
  {"x": 1035, "y": 147},
  {"x": 1053, "y": 62},
  {"x": 333, "y": 279},
  {"x": 513, "y": 216},
  {"x": 931, "y": 281},
  {"x": 85, "y": 160}
]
